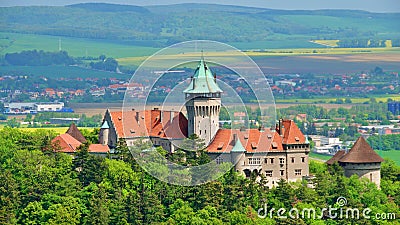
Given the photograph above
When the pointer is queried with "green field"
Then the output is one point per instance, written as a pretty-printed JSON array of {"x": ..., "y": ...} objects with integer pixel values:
[
  {"x": 59, "y": 71},
  {"x": 393, "y": 155},
  {"x": 14, "y": 42},
  {"x": 319, "y": 156}
]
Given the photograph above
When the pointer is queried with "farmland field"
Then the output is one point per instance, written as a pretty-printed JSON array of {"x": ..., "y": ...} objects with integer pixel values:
[
  {"x": 393, "y": 155},
  {"x": 328, "y": 100},
  {"x": 336, "y": 60},
  {"x": 57, "y": 130},
  {"x": 328, "y": 43},
  {"x": 319, "y": 156},
  {"x": 14, "y": 42}
]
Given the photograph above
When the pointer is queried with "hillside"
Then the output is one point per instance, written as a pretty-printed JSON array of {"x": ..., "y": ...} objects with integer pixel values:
[{"x": 163, "y": 25}]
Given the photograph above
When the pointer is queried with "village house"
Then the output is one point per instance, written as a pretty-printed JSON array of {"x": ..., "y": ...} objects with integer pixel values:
[{"x": 72, "y": 139}]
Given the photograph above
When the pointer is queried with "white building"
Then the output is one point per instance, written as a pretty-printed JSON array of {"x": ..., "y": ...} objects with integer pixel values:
[{"x": 48, "y": 106}]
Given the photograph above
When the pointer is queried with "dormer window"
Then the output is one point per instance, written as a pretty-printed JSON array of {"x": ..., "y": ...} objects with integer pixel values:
[
  {"x": 254, "y": 145},
  {"x": 274, "y": 145},
  {"x": 297, "y": 139},
  {"x": 220, "y": 145}
]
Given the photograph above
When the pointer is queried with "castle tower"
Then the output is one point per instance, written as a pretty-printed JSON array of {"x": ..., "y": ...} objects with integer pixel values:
[
  {"x": 360, "y": 160},
  {"x": 104, "y": 132},
  {"x": 203, "y": 103}
]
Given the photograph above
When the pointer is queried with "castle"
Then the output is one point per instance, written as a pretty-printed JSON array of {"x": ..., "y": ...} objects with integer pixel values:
[{"x": 277, "y": 153}]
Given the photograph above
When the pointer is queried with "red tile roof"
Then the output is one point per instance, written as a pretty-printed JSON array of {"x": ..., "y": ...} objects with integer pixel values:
[
  {"x": 98, "y": 148},
  {"x": 291, "y": 133},
  {"x": 253, "y": 140},
  {"x": 65, "y": 143},
  {"x": 75, "y": 133},
  {"x": 68, "y": 143},
  {"x": 155, "y": 123}
]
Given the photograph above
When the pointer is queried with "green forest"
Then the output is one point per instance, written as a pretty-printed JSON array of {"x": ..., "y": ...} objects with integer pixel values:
[
  {"x": 40, "y": 186},
  {"x": 163, "y": 25}
]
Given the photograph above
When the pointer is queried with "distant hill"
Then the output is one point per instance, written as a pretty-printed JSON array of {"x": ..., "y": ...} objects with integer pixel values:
[
  {"x": 105, "y": 7},
  {"x": 172, "y": 23}
]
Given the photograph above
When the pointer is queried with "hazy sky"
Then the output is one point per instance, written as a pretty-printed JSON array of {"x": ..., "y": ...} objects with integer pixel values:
[{"x": 368, "y": 5}]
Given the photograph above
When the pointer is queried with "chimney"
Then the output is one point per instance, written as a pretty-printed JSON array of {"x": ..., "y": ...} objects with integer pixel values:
[
  {"x": 137, "y": 117},
  {"x": 234, "y": 139},
  {"x": 157, "y": 113},
  {"x": 171, "y": 118},
  {"x": 279, "y": 128}
]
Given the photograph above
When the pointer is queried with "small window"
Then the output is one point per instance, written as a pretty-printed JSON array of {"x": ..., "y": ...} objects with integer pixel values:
[
  {"x": 297, "y": 172},
  {"x": 266, "y": 160},
  {"x": 268, "y": 173},
  {"x": 292, "y": 159},
  {"x": 254, "y": 161},
  {"x": 303, "y": 159},
  {"x": 272, "y": 160},
  {"x": 281, "y": 161},
  {"x": 282, "y": 172},
  {"x": 219, "y": 160}
]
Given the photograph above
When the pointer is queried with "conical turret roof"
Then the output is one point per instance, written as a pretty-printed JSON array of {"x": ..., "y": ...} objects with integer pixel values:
[
  {"x": 203, "y": 81},
  {"x": 361, "y": 152},
  {"x": 238, "y": 147}
]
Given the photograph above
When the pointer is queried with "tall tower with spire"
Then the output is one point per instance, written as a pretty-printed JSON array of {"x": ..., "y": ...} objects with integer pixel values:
[{"x": 203, "y": 103}]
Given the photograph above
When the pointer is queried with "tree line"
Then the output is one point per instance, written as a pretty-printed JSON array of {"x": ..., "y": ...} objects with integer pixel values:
[
  {"x": 385, "y": 142},
  {"x": 38, "y": 58}
]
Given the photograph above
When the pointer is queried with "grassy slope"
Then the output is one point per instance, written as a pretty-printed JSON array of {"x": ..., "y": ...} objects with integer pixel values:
[{"x": 74, "y": 46}]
